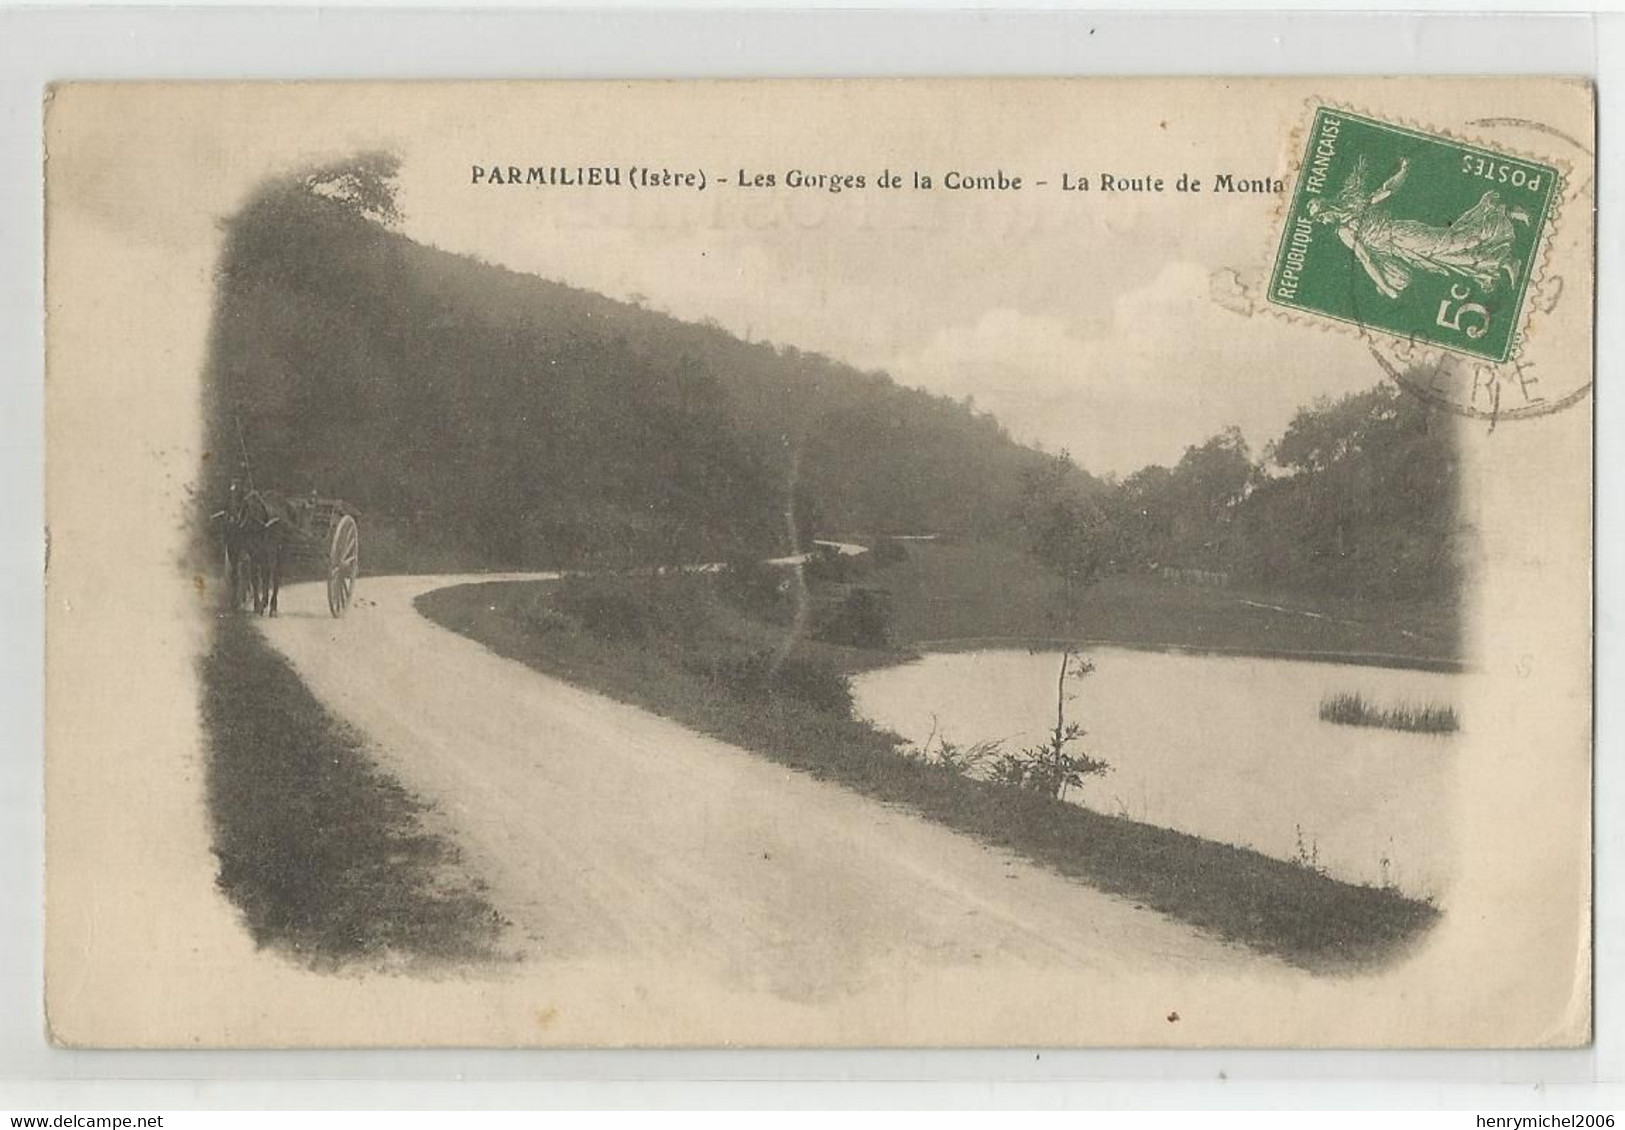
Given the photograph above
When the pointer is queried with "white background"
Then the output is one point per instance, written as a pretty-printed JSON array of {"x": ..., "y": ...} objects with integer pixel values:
[{"x": 308, "y": 41}]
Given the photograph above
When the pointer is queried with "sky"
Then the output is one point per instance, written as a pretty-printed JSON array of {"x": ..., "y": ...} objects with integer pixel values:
[
  {"x": 1086, "y": 329},
  {"x": 1082, "y": 321},
  {"x": 1085, "y": 321}
]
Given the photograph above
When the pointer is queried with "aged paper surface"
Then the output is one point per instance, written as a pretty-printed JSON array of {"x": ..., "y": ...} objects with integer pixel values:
[{"x": 1261, "y": 717}]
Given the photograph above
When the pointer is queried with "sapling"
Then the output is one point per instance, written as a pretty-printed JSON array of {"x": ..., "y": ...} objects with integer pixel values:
[{"x": 1056, "y": 765}]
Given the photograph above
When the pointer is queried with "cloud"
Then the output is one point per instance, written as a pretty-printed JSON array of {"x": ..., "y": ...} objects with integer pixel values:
[{"x": 1171, "y": 367}]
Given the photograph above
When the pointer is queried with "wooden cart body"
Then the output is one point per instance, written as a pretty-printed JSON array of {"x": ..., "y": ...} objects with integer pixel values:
[{"x": 326, "y": 532}]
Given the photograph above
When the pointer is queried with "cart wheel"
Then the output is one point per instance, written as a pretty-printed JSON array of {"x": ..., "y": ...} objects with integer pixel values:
[{"x": 343, "y": 564}]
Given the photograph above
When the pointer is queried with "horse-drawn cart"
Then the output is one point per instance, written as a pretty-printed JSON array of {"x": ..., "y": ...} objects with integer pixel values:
[{"x": 264, "y": 529}]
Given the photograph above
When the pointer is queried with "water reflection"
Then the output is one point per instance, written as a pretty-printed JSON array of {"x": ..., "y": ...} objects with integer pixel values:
[{"x": 1229, "y": 748}]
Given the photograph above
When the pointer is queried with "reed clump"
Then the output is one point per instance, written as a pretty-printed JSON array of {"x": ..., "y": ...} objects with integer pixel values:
[{"x": 1357, "y": 710}]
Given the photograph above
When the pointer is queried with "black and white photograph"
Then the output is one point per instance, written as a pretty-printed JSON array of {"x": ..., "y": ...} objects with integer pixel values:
[{"x": 820, "y": 563}]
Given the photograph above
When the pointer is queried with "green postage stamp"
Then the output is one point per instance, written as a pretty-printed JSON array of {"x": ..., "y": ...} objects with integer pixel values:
[{"x": 1413, "y": 234}]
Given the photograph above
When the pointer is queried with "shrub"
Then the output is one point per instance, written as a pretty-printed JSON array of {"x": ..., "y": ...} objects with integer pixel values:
[
  {"x": 966, "y": 761},
  {"x": 815, "y": 681},
  {"x": 607, "y": 612},
  {"x": 863, "y": 619},
  {"x": 759, "y": 589},
  {"x": 951, "y": 757},
  {"x": 764, "y": 674},
  {"x": 1055, "y": 766},
  {"x": 624, "y": 607},
  {"x": 607, "y": 607},
  {"x": 684, "y": 604}
]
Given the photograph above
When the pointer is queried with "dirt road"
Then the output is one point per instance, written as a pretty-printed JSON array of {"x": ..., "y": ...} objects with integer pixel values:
[{"x": 605, "y": 831}]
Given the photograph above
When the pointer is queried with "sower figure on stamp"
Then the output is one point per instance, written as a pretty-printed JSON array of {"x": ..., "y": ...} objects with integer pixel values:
[{"x": 1477, "y": 245}]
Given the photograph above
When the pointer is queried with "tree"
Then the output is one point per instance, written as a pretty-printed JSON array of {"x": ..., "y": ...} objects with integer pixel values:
[
  {"x": 1063, "y": 523},
  {"x": 1066, "y": 531},
  {"x": 1216, "y": 476},
  {"x": 363, "y": 184},
  {"x": 1141, "y": 515},
  {"x": 1366, "y": 501},
  {"x": 1209, "y": 484}
]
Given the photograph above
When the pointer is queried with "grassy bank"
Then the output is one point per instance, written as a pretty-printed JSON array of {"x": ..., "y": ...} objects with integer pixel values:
[
  {"x": 328, "y": 860},
  {"x": 683, "y": 652},
  {"x": 945, "y": 594}
]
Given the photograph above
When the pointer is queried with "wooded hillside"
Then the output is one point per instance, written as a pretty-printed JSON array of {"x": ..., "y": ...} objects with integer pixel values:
[{"x": 484, "y": 418}]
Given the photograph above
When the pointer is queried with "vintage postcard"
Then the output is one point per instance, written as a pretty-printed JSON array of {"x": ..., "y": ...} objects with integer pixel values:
[{"x": 814, "y": 563}]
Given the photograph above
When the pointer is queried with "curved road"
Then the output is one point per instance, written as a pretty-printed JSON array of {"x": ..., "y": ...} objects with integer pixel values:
[{"x": 606, "y": 831}]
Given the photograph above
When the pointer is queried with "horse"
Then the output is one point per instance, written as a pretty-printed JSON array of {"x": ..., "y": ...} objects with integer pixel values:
[
  {"x": 267, "y": 523},
  {"x": 236, "y": 534}
]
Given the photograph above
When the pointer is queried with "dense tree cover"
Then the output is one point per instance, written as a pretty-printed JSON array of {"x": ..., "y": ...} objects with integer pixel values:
[
  {"x": 521, "y": 422},
  {"x": 507, "y": 420},
  {"x": 1064, "y": 519},
  {"x": 1358, "y": 497}
]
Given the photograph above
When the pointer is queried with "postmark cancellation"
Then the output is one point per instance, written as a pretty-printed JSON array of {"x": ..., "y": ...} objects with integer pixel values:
[{"x": 1429, "y": 247}]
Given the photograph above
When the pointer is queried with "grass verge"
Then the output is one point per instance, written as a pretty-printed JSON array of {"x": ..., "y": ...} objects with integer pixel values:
[
  {"x": 1355, "y": 710},
  {"x": 1294, "y": 912},
  {"x": 327, "y": 859}
]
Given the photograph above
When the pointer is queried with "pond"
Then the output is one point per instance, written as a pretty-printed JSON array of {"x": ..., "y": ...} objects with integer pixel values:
[{"x": 1225, "y": 747}]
